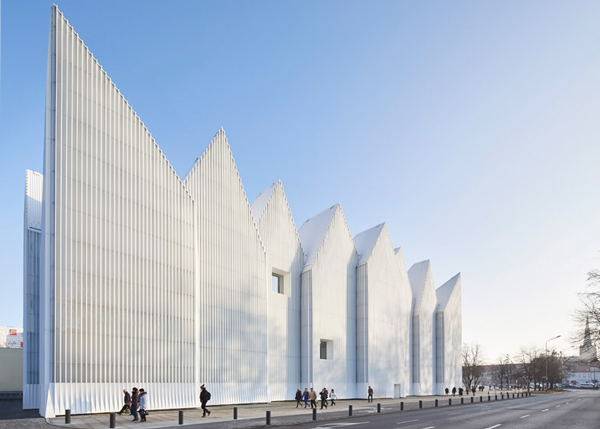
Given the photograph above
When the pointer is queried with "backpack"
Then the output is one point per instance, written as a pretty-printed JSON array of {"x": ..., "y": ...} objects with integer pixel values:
[{"x": 207, "y": 396}]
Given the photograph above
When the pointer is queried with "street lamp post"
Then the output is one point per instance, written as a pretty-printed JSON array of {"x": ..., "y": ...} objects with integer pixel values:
[{"x": 553, "y": 338}]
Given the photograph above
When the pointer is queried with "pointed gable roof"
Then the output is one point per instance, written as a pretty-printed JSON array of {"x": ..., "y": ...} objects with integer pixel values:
[
  {"x": 445, "y": 291},
  {"x": 260, "y": 202},
  {"x": 400, "y": 257},
  {"x": 365, "y": 242},
  {"x": 312, "y": 233},
  {"x": 421, "y": 279}
]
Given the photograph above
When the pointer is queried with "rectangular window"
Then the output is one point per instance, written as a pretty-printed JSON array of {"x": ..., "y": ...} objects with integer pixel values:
[
  {"x": 277, "y": 283},
  {"x": 323, "y": 349}
]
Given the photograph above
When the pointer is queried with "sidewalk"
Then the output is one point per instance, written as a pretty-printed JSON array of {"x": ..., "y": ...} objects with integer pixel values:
[{"x": 254, "y": 415}]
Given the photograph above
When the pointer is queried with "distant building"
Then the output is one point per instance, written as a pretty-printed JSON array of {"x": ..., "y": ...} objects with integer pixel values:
[
  {"x": 11, "y": 337},
  {"x": 134, "y": 276}
]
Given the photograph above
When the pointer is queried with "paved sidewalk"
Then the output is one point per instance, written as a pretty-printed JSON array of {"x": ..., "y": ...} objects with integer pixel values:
[{"x": 254, "y": 415}]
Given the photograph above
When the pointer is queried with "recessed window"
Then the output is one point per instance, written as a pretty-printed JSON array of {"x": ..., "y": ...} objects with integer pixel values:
[
  {"x": 323, "y": 349},
  {"x": 277, "y": 283},
  {"x": 326, "y": 349}
]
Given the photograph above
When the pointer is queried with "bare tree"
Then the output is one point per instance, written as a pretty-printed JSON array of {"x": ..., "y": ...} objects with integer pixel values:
[
  {"x": 531, "y": 365},
  {"x": 590, "y": 309},
  {"x": 473, "y": 365}
]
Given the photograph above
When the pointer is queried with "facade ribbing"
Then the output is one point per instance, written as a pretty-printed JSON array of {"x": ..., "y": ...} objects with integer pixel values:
[{"x": 133, "y": 276}]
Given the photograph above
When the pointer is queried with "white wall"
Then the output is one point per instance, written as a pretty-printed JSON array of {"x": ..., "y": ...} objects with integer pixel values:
[
  {"x": 330, "y": 284},
  {"x": 118, "y": 246},
  {"x": 232, "y": 275},
  {"x": 425, "y": 302},
  {"x": 284, "y": 256},
  {"x": 449, "y": 316}
]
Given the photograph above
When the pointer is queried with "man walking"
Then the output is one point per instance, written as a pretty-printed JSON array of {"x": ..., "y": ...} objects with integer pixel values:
[
  {"x": 312, "y": 396},
  {"x": 323, "y": 398},
  {"x": 134, "y": 404},
  {"x": 298, "y": 397},
  {"x": 370, "y": 394},
  {"x": 305, "y": 397},
  {"x": 204, "y": 398},
  {"x": 126, "y": 401}
]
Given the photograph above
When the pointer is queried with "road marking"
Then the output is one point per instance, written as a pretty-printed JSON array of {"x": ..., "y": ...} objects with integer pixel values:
[
  {"x": 407, "y": 421},
  {"x": 557, "y": 406},
  {"x": 545, "y": 410},
  {"x": 522, "y": 417},
  {"x": 430, "y": 427},
  {"x": 338, "y": 425},
  {"x": 457, "y": 412},
  {"x": 492, "y": 427}
]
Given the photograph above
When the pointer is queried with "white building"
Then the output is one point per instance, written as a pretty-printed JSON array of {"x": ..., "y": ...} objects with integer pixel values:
[{"x": 134, "y": 276}]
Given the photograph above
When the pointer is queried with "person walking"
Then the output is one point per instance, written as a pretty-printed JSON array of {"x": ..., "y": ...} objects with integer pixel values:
[
  {"x": 298, "y": 397},
  {"x": 143, "y": 404},
  {"x": 305, "y": 397},
  {"x": 370, "y": 394},
  {"x": 447, "y": 390},
  {"x": 473, "y": 389},
  {"x": 204, "y": 398},
  {"x": 312, "y": 397},
  {"x": 134, "y": 404},
  {"x": 333, "y": 397},
  {"x": 323, "y": 398},
  {"x": 454, "y": 391},
  {"x": 126, "y": 401}
]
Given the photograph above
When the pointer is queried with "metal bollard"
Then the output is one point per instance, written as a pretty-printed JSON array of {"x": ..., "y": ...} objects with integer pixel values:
[
  {"x": 234, "y": 413},
  {"x": 420, "y": 404},
  {"x": 481, "y": 399},
  {"x": 67, "y": 416},
  {"x": 472, "y": 398},
  {"x": 462, "y": 401},
  {"x": 489, "y": 398},
  {"x": 269, "y": 418},
  {"x": 349, "y": 410},
  {"x": 496, "y": 397},
  {"x": 401, "y": 405},
  {"x": 436, "y": 403},
  {"x": 513, "y": 396},
  {"x": 180, "y": 417},
  {"x": 378, "y": 408},
  {"x": 449, "y": 401},
  {"x": 314, "y": 414},
  {"x": 112, "y": 421}
]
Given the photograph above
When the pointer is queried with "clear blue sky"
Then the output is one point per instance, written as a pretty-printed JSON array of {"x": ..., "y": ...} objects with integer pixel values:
[{"x": 471, "y": 128}]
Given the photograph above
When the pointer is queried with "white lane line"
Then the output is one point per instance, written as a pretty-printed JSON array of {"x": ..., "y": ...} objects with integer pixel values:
[
  {"x": 522, "y": 417},
  {"x": 430, "y": 427},
  {"x": 407, "y": 421},
  {"x": 456, "y": 412},
  {"x": 545, "y": 410},
  {"x": 557, "y": 406},
  {"x": 492, "y": 427}
]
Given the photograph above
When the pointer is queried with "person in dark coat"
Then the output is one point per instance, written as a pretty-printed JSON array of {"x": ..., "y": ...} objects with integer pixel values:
[
  {"x": 447, "y": 390},
  {"x": 370, "y": 394},
  {"x": 323, "y": 395},
  {"x": 298, "y": 397},
  {"x": 134, "y": 404},
  {"x": 473, "y": 389},
  {"x": 204, "y": 398},
  {"x": 126, "y": 401},
  {"x": 454, "y": 391}
]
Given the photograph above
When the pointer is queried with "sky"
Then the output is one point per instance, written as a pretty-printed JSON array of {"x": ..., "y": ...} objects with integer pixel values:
[{"x": 470, "y": 128}]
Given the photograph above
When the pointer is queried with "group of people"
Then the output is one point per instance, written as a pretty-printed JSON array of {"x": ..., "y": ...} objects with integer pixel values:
[
  {"x": 134, "y": 402},
  {"x": 311, "y": 397},
  {"x": 461, "y": 391}
]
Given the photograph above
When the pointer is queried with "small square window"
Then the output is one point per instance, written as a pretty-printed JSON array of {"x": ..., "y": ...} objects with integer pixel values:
[{"x": 276, "y": 283}]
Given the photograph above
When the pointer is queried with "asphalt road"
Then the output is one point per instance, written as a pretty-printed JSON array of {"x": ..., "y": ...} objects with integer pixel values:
[{"x": 572, "y": 409}]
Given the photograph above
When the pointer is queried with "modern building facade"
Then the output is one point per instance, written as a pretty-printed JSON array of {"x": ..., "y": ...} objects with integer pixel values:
[{"x": 135, "y": 276}]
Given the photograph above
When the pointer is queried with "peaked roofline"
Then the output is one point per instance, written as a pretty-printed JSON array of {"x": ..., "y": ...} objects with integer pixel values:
[
  {"x": 313, "y": 254},
  {"x": 418, "y": 284},
  {"x": 446, "y": 291},
  {"x": 366, "y": 241}
]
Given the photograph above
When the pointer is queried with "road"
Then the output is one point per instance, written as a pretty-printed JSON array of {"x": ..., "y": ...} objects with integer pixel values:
[{"x": 572, "y": 409}]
